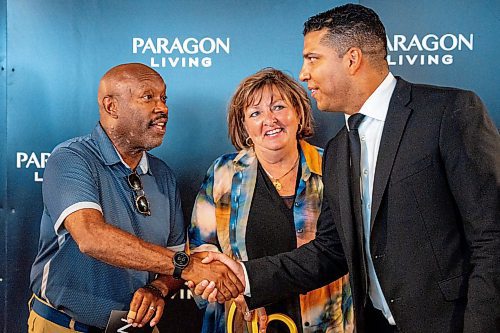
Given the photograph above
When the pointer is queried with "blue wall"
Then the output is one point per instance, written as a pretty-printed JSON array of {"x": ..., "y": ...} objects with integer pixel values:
[
  {"x": 53, "y": 53},
  {"x": 3, "y": 163}
]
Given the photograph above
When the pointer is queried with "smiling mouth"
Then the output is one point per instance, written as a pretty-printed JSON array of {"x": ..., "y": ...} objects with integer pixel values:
[
  {"x": 158, "y": 124},
  {"x": 273, "y": 132}
]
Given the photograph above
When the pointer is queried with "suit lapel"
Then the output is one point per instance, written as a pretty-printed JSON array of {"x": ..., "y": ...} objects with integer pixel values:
[
  {"x": 341, "y": 181},
  {"x": 395, "y": 123},
  {"x": 340, "y": 173},
  {"x": 351, "y": 228}
]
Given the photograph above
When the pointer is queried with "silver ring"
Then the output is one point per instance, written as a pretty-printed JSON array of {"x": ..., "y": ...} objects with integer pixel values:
[
  {"x": 246, "y": 313},
  {"x": 152, "y": 308}
]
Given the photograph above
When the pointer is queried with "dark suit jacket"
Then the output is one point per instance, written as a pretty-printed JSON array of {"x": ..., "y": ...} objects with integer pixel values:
[{"x": 435, "y": 238}]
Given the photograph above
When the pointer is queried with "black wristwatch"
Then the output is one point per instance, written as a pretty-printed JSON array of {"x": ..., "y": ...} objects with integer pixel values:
[{"x": 180, "y": 260}]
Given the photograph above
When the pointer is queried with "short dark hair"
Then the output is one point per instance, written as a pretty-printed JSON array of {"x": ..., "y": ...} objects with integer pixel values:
[
  {"x": 251, "y": 88},
  {"x": 351, "y": 25}
]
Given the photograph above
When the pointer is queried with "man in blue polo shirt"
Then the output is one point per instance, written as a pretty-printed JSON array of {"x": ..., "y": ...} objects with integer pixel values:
[{"x": 112, "y": 231}]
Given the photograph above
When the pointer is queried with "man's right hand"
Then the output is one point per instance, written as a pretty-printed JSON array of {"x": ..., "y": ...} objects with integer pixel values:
[
  {"x": 227, "y": 283},
  {"x": 207, "y": 289}
]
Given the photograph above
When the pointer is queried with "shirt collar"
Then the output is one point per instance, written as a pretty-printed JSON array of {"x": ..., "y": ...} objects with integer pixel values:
[
  {"x": 109, "y": 153},
  {"x": 245, "y": 158},
  {"x": 377, "y": 105},
  {"x": 143, "y": 163},
  {"x": 312, "y": 160}
]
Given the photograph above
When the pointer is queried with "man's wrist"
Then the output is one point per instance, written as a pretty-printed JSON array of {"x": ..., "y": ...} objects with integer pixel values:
[
  {"x": 181, "y": 261},
  {"x": 246, "y": 282},
  {"x": 156, "y": 290},
  {"x": 187, "y": 273}
]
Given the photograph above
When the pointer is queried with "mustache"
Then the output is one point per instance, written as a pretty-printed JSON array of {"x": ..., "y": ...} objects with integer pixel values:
[{"x": 161, "y": 116}]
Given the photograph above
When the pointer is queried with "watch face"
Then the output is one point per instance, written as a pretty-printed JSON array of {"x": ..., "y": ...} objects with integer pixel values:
[{"x": 181, "y": 259}]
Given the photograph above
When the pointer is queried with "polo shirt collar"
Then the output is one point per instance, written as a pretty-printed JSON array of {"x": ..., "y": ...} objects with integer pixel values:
[{"x": 109, "y": 153}]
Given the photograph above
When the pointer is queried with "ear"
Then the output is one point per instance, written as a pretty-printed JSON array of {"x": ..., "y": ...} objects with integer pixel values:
[
  {"x": 353, "y": 58},
  {"x": 110, "y": 106}
]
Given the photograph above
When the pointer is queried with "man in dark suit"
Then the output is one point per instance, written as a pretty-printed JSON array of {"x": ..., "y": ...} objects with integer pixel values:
[{"x": 414, "y": 213}]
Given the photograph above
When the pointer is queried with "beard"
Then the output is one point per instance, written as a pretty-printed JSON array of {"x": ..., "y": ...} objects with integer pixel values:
[
  {"x": 151, "y": 143},
  {"x": 135, "y": 137}
]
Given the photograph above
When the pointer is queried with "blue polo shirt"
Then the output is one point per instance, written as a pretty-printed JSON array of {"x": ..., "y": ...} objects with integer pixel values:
[{"x": 87, "y": 172}]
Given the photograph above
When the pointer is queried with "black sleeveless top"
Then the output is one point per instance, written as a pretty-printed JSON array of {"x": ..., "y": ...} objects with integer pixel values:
[{"x": 271, "y": 230}]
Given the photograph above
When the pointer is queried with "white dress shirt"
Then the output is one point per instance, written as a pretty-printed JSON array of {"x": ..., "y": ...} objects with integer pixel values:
[{"x": 370, "y": 133}]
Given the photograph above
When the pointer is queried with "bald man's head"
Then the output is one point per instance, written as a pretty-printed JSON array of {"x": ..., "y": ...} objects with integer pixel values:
[
  {"x": 119, "y": 80},
  {"x": 132, "y": 106}
]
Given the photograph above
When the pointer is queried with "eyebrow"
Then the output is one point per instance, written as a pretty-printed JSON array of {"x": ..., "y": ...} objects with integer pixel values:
[
  {"x": 308, "y": 54},
  {"x": 273, "y": 101}
]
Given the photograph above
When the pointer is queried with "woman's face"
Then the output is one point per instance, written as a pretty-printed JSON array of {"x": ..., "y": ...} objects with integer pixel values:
[{"x": 271, "y": 122}]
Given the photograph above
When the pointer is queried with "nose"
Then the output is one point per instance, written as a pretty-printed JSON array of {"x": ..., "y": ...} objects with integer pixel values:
[
  {"x": 161, "y": 107},
  {"x": 304, "y": 73},
  {"x": 269, "y": 118}
]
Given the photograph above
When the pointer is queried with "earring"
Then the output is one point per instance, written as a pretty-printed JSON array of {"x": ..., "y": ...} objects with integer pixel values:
[{"x": 249, "y": 141}]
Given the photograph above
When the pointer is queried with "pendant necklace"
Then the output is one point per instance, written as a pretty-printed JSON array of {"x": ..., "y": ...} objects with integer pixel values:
[{"x": 276, "y": 181}]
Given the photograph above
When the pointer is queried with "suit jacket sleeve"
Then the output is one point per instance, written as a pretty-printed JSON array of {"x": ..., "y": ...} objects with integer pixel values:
[
  {"x": 470, "y": 147},
  {"x": 306, "y": 268}
]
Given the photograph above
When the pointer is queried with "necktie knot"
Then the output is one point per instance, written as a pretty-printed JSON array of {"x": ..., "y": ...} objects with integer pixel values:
[{"x": 355, "y": 120}]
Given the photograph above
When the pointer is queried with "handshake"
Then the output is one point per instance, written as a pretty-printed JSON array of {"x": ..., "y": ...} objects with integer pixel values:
[{"x": 214, "y": 276}]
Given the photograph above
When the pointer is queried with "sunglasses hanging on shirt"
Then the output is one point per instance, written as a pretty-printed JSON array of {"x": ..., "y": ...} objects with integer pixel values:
[{"x": 141, "y": 203}]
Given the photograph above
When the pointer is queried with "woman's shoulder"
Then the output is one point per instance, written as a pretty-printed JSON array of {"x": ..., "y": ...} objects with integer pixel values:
[
  {"x": 310, "y": 149},
  {"x": 313, "y": 156},
  {"x": 225, "y": 159},
  {"x": 224, "y": 163}
]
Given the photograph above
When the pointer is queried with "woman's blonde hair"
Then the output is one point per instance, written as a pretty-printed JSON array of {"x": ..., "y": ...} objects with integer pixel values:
[{"x": 251, "y": 87}]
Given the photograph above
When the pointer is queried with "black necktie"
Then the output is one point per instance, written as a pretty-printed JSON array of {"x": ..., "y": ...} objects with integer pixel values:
[{"x": 355, "y": 151}]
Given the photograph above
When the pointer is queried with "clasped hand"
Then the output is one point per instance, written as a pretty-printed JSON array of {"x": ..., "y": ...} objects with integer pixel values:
[
  {"x": 223, "y": 276},
  {"x": 208, "y": 289}
]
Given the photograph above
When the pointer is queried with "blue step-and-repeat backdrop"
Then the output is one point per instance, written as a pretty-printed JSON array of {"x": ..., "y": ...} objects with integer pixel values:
[{"x": 53, "y": 53}]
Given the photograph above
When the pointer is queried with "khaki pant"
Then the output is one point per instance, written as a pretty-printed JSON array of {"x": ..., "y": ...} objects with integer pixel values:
[{"x": 38, "y": 324}]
